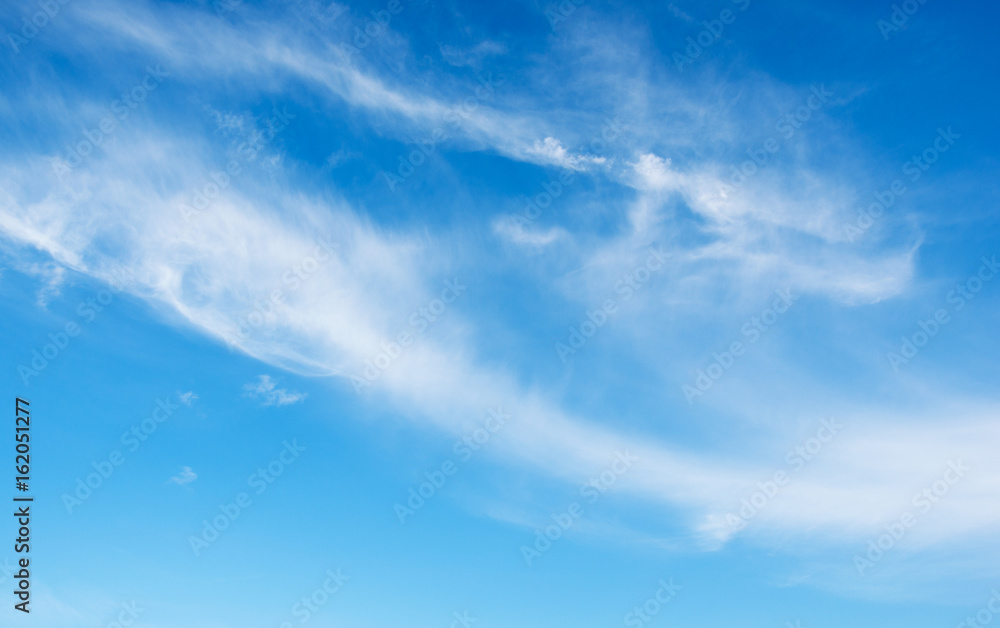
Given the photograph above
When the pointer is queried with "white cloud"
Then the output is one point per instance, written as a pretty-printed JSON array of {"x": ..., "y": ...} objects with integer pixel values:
[
  {"x": 654, "y": 173},
  {"x": 53, "y": 276},
  {"x": 188, "y": 398},
  {"x": 551, "y": 151},
  {"x": 186, "y": 476},
  {"x": 513, "y": 230},
  {"x": 265, "y": 390}
]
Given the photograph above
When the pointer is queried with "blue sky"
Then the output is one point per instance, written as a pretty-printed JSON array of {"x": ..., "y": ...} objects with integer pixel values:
[{"x": 445, "y": 314}]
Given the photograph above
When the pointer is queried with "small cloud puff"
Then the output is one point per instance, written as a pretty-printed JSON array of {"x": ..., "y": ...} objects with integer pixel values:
[
  {"x": 552, "y": 151},
  {"x": 514, "y": 231},
  {"x": 188, "y": 398},
  {"x": 186, "y": 476},
  {"x": 265, "y": 389},
  {"x": 654, "y": 173}
]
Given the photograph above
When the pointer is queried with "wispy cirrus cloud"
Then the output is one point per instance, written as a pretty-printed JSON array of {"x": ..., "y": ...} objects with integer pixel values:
[{"x": 781, "y": 228}]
